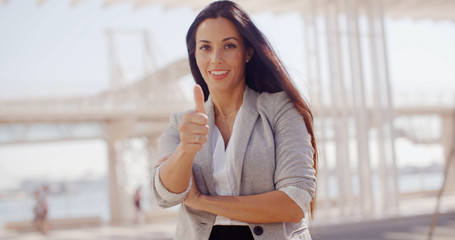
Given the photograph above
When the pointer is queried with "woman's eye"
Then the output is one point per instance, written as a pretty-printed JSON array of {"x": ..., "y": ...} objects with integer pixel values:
[
  {"x": 205, "y": 47},
  {"x": 230, "y": 45}
]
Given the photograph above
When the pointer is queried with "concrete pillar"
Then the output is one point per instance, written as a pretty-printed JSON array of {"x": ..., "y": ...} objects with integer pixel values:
[
  {"x": 316, "y": 91},
  {"x": 448, "y": 142},
  {"x": 389, "y": 118},
  {"x": 378, "y": 107},
  {"x": 360, "y": 107},
  {"x": 338, "y": 103},
  {"x": 114, "y": 196},
  {"x": 115, "y": 131}
]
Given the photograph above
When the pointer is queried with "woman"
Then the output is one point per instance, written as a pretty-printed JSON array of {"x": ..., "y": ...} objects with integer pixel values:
[{"x": 243, "y": 164}]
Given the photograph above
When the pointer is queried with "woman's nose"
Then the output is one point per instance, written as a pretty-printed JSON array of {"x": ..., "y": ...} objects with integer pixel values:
[{"x": 217, "y": 57}]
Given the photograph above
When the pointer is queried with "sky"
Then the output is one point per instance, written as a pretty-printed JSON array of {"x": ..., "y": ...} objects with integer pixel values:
[{"x": 55, "y": 50}]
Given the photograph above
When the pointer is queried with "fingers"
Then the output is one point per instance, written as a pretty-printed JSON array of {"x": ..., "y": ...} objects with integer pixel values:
[
  {"x": 194, "y": 128},
  {"x": 199, "y": 99},
  {"x": 193, "y": 124},
  {"x": 193, "y": 133},
  {"x": 193, "y": 195},
  {"x": 193, "y": 138},
  {"x": 194, "y": 117}
]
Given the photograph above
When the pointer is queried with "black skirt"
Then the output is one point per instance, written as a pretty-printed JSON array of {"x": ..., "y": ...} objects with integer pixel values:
[{"x": 228, "y": 232}]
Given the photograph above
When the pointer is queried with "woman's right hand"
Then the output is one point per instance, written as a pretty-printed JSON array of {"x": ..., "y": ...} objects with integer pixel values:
[{"x": 194, "y": 129}]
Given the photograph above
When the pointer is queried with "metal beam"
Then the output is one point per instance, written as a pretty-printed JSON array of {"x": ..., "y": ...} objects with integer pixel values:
[
  {"x": 389, "y": 109},
  {"x": 360, "y": 109}
]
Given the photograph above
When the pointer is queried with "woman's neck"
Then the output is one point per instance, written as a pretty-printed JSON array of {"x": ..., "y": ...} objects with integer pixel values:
[{"x": 227, "y": 103}]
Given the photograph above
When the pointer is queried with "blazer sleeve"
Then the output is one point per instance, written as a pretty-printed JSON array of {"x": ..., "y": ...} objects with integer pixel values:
[
  {"x": 167, "y": 144},
  {"x": 170, "y": 138},
  {"x": 293, "y": 149}
]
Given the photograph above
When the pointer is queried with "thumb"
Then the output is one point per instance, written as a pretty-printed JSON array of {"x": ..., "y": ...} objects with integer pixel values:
[{"x": 199, "y": 99}]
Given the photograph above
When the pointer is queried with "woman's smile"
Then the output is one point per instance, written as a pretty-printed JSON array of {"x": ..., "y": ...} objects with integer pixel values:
[{"x": 219, "y": 74}]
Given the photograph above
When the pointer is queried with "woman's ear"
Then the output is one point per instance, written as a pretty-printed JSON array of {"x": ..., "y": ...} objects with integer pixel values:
[{"x": 249, "y": 54}]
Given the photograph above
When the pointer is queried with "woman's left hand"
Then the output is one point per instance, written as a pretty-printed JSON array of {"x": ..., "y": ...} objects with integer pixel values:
[{"x": 192, "y": 198}]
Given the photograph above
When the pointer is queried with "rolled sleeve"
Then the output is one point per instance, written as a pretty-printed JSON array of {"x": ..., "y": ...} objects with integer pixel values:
[
  {"x": 300, "y": 196},
  {"x": 167, "y": 195}
]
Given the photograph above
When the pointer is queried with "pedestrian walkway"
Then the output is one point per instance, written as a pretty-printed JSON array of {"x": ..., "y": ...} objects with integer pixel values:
[
  {"x": 413, "y": 224},
  {"x": 154, "y": 231},
  {"x": 405, "y": 228}
]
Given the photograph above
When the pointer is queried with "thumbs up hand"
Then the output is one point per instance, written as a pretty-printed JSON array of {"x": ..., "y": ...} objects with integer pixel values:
[
  {"x": 199, "y": 100},
  {"x": 194, "y": 128}
]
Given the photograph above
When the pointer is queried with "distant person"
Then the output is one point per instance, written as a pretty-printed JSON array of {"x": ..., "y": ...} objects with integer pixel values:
[
  {"x": 242, "y": 163},
  {"x": 137, "y": 205},
  {"x": 41, "y": 210}
]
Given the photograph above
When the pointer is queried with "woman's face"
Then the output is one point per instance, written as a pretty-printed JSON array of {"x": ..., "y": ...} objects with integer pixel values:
[{"x": 221, "y": 54}]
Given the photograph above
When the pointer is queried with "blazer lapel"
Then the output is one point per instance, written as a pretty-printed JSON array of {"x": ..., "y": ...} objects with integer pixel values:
[
  {"x": 245, "y": 128},
  {"x": 206, "y": 153}
]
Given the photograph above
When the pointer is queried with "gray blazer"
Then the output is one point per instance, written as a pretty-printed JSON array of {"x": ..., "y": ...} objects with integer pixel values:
[{"x": 273, "y": 150}]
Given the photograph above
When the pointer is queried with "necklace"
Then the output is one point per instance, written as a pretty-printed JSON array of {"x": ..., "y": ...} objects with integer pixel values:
[{"x": 225, "y": 116}]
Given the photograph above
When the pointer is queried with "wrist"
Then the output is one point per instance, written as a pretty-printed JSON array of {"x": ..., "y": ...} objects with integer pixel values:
[
  {"x": 185, "y": 153},
  {"x": 200, "y": 201}
]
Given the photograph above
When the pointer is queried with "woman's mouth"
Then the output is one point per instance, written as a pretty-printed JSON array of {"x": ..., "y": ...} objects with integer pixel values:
[{"x": 219, "y": 74}]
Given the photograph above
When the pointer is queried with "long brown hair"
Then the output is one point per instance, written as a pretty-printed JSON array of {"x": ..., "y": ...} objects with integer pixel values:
[{"x": 264, "y": 72}]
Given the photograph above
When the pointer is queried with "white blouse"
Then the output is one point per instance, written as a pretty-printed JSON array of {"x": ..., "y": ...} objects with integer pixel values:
[{"x": 224, "y": 175}]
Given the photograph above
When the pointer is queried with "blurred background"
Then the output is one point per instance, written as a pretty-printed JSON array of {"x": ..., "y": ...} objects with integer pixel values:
[{"x": 86, "y": 88}]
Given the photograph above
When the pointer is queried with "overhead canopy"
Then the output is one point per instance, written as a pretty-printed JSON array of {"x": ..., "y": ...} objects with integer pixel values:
[{"x": 417, "y": 9}]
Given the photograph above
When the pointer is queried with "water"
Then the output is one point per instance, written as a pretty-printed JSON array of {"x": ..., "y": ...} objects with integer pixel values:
[
  {"x": 408, "y": 182},
  {"x": 93, "y": 199},
  {"x": 420, "y": 182},
  {"x": 90, "y": 201}
]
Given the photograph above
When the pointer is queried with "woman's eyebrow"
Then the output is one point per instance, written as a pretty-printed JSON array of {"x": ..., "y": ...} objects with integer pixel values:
[
  {"x": 204, "y": 41},
  {"x": 224, "y": 40},
  {"x": 229, "y": 38}
]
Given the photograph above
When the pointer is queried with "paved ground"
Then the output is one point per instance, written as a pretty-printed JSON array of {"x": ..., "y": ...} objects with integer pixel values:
[
  {"x": 406, "y": 228},
  {"x": 161, "y": 231},
  {"x": 412, "y": 227}
]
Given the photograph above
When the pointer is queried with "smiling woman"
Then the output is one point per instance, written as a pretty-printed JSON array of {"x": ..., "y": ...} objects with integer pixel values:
[
  {"x": 242, "y": 164},
  {"x": 221, "y": 54}
]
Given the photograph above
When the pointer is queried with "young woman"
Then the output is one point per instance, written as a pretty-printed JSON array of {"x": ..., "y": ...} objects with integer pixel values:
[{"x": 242, "y": 164}]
